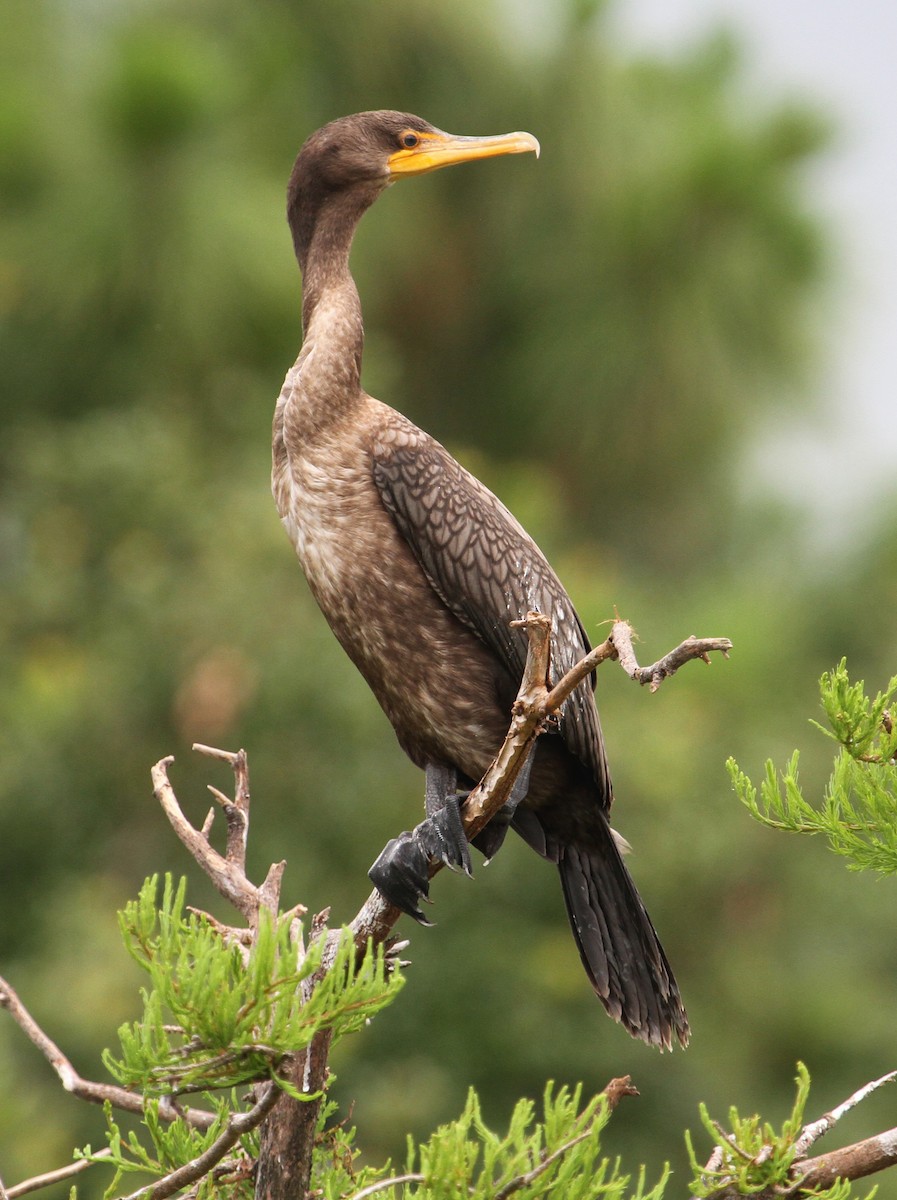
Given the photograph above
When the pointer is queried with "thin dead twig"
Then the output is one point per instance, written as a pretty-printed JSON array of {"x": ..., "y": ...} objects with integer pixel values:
[
  {"x": 85, "y": 1089},
  {"x": 36, "y": 1182},
  {"x": 236, "y": 811},
  {"x": 816, "y": 1129},
  {"x": 382, "y": 1184},
  {"x": 228, "y": 871}
]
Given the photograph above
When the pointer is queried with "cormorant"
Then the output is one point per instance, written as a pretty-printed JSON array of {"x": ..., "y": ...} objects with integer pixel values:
[{"x": 419, "y": 569}]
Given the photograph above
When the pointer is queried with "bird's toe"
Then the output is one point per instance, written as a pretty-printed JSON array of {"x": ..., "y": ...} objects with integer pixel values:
[{"x": 442, "y": 836}]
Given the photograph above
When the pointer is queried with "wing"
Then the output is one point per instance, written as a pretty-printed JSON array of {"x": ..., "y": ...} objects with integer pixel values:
[{"x": 485, "y": 568}]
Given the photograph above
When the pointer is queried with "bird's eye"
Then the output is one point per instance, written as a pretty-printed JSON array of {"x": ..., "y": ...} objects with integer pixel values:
[{"x": 409, "y": 140}]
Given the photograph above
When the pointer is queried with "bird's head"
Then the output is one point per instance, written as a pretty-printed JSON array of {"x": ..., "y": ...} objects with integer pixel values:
[
  {"x": 364, "y": 153},
  {"x": 385, "y": 146}
]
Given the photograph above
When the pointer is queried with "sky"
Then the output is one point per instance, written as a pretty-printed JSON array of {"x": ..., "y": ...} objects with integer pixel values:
[{"x": 841, "y": 56}]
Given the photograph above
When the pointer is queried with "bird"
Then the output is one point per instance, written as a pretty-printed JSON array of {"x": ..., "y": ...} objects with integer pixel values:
[{"x": 419, "y": 570}]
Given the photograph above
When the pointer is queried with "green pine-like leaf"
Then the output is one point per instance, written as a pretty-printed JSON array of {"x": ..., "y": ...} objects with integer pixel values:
[{"x": 858, "y": 812}]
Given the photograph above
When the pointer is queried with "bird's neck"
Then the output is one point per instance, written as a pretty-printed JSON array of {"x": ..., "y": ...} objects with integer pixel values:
[{"x": 333, "y": 331}]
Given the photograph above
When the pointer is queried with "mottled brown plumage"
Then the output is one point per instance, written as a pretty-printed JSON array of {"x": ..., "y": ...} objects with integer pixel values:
[{"x": 419, "y": 570}]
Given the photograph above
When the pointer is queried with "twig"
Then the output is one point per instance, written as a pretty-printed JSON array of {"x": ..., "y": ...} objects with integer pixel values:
[
  {"x": 382, "y": 1184},
  {"x": 228, "y": 879},
  {"x": 50, "y": 1177},
  {"x": 227, "y": 872},
  {"x": 654, "y": 675},
  {"x": 617, "y": 1089},
  {"x": 236, "y": 811},
  {"x": 238, "y": 1125},
  {"x": 85, "y": 1089},
  {"x": 816, "y": 1129}
]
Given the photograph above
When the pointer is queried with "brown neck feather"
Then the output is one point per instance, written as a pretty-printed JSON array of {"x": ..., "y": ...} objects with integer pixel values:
[
  {"x": 323, "y": 225},
  {"x": 323, "y": 221}
]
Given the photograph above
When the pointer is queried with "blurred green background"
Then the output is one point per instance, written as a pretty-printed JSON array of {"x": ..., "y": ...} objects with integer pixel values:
[{"x": 599, "y": 336}]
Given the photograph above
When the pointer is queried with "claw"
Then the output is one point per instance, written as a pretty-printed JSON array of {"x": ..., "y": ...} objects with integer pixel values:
[
  {"x": 489, "y": 840},
  {"x": 442, "y": 836}
]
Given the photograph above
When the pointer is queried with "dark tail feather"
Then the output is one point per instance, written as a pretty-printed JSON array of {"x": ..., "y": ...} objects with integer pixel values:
[{"x": 620, "y": 950}]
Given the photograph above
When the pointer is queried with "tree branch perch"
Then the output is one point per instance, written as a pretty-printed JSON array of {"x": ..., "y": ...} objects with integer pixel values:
[{"x": 537, "y": 700}]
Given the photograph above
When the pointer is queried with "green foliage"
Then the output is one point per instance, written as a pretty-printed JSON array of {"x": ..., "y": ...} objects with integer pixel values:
[
  {"x": 751, "y": 1156},
  {"x": 335, "y": 1170},
  {"x": 336, "y": 1173},
  {"x": 235, "y": 1012},
  {"x": 859, "y": 808},
  {"x": 219, "y": 1014},
  {"x": 559, "y": 1155},
  {"x": 863, "y": 726},
  {"x": 174, "y": 1144}
]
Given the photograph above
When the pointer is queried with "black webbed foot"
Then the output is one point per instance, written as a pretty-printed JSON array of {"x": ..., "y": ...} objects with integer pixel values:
[{"x": 401, "y": 873}]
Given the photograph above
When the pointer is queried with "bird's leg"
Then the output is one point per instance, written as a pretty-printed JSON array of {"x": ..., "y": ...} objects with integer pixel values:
[
  {"x": 441, "y": 782},
  {"x": 442, "y": 833},
  {"x": 401, "y": 873},
  {"x": 489, "y": 840}
]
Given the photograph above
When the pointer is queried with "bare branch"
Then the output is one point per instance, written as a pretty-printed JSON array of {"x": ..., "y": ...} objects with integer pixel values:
[
  {"x": 236, "y": 811},
  {"x": 227, "y": 872},
  {"x": 816, "y": 1129},
  {"x": 382, "y": 1184},
  {"x": 850, "y": 1162},
  {"x": 228, "y": 879},
  {"x": 50, "y": 1177},
  {"x": 654, "y": 675},
  {"x": 85, "y": 1089}
]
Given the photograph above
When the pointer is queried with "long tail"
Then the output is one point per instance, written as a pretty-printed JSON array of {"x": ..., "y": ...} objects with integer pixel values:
[{"x": 619, "y": 947}]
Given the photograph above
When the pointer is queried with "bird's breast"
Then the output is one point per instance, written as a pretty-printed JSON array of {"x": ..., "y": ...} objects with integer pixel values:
[{"x": 434, "y": 679}]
